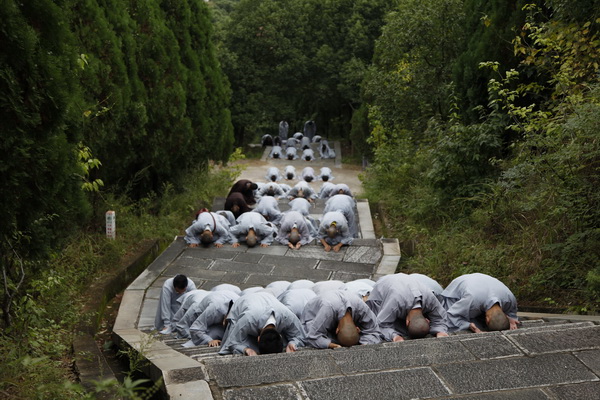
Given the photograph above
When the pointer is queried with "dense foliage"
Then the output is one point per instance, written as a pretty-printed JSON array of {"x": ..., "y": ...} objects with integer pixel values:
[
  {"x": 297, "y": 60},
  {"x": 489, "y": 161}
]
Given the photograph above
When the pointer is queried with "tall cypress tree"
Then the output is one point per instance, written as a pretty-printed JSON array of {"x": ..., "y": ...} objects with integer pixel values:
[{"x": 39, "y": 95}]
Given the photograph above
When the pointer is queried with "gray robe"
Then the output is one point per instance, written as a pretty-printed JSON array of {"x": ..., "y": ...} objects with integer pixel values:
[
  {"x": 227, "y": 286},
  {"x": 253, "y": 220},
  {"x": 273, "y": 174},
  {"x": 308, "y": 155},
  {"x": 276, "y": 152},
  {"x": 326, "y": 190},
  {"x": 322, "y": 314},
  {"x": 308, "y": 174},
  {"x": 284, "y": 127},
  {"x": 346, "y": 205},
  {"x": 296, "y": 299},
  {"x": 249, "y": 315},
  {"x": 327, "y": 286},
  {"x": 344, "y": 235},
  {"x": 325, "y": 151},
  {"x": 205, "y": 220},
  {"x": 186, "y": 301},
  {"x": 288, "y": 221},
  {"x": 341, "y": 188},
  {"x": 205, "y": 323},
  {"x": 307, "y": 191},
  {"x": 301, "y": 284},
  {"x": 278, "y": 287},
  {"x": 326, "y": 174},
  {"x": 268, "y": 207},
  {"x": 468, "y": 297},
  {"x": 291, "y": 153},
  {"x": 168, "y": 304},
  {"x": 430, "y": 283},
  {"x": 289, "y": 172},
  {"x": 264, "y": 190},
  {"x": 393, "y": 296}
]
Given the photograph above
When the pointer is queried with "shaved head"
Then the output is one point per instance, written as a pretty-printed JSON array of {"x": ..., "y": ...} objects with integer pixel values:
[
  {"x": 347, "y": 332},
  {"x": 206, "y": 237},
  {"x": 495, "y": 319},
  {"x": 251, "y": 238},
  {"x": 294, "y": 236},
  {"x": 332, "y": 231},
  {"x": 418, "y": 326}
]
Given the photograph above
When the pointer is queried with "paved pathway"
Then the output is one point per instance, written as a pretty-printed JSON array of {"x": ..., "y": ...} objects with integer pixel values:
[{"x": 548, "y": 358}]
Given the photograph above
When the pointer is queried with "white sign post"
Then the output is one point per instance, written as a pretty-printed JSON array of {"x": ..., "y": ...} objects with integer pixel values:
[{"x": 111, "y": 225}]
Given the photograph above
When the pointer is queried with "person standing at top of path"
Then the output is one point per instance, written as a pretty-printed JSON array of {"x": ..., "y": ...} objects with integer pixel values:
[
  {"x": 325, "y": 151},
  {"x": 284, "y": 128},
  {"x": 310, "y": 129},
  {"x": 478, "y": 301},
  {"x": 172, "y": 289}
]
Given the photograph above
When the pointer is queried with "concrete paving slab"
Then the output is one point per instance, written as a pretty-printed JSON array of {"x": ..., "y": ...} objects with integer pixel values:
[
  {"x": 290, "y": 392},
  {"x": 391, "y": 247},
  {"x": 190, "y": 391},
  {"x": 306, "y": 263},
  {"x": 191, "y": 262},
  {"x": 366, "y": 242},
  {"x": 488, "y": 347},
  {"x": 580, "y": 391},
  {"x": 226, "y": 265},
  {"x": 153, "y": 293},
  {"x": 301, "y": 273},
  {"x": 408, "y": 354},
  {"x": 211, "y": 253},
  {"x": 184, "y": 375},
  {"x": 250, "y": 371},
  {"x": 235, "y": 277},
  {"x": 148, "y": 312},
  {"x": 362, "y": 254},
  {"x": 416, "y": 383},
  {"x": 591, "y": 358},
  {"x": 528, "y": 394},
  {"x": 561, "y": 340},
  {"x": 248, "y": 257},
  {"x": 514, "y": 373},
  {"x": 565, "y": 325},
  {"x": 387, "y": 265},
  {"x": 347, "y": 276},
  {"x": 274, "y": 250},
  {"x": 129, "y": 309},
  {"x": 351, "y": 267},
  {"x": 317, "y": 252}
]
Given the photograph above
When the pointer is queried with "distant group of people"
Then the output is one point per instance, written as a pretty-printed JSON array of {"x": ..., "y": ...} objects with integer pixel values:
[
  {"x": 251, "y": 213},
  {"x": 284, "y": 316},
  {"x": 299, "y": 145}
]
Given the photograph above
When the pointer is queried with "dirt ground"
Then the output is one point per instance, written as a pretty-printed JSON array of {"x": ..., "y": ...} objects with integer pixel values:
[{"x": 256, "y": 171}]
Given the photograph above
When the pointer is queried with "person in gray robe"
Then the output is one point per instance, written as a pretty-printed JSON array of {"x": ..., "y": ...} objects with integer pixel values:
[
  {"x": 259, "y": 324},
  {"x": 308, "y": 155},
  {"x": 172, "y": 289},
  {"x": 292, "y": 142},
  {"x": 326, "y": 174},
  {"x": 430, "y": 283},
  {"x": 310, "y": 129},
  {"x": 325, "y": 151},
  {"x": 326, "y": 190},
  {"x": 334, "y": 231},
  {"x": 270, "y": 189},
  {"x": 346, "y": 205},
  {"x": 276, "y": 152},
  {"x": 296, "y": 299},
  {"x": 479, "y": 301},
  {"x": 228, "y": 215},
  {"x": 359, "y": 287},
  {"x": 268, "y": 207},
  {"x": 186, "y": 302},
  {"x": 252, "y": 289},
  {"x": 328, "y": 286},
  {"x": 291, "y": 153},
  {"x": 293, "y": 220},
  {"x": 284, "y": 128},
  {"x": 203, "y": 323},
  {"x": 209, "y": 228},
  {"x": 316, "y": 139},
  {"x": 226, "y": 286},
  {"x": 308, "y": 174},
  {"x": 301, "y": 284},
  {"x": 404, "y": 307},
  {"x": 298, "y": 136},
  {"x": 341, "y": 188},
  {"x": 289, "y": 172},
  {"x": 273, "y": 174},
  {"x": 285, "y": 187},
  {"x": 322, "y": 317},
  {"x": 251, "y": 228},
  {"x": 277, "y": 287},
  {"x": 305, "y": 143},
  {"x": 302, "y": 190}
]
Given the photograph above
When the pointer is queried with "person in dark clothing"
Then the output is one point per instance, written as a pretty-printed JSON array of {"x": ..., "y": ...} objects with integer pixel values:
[
  {"x": 246, "y": 188},
  {"x": 236, "y": 203}
]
